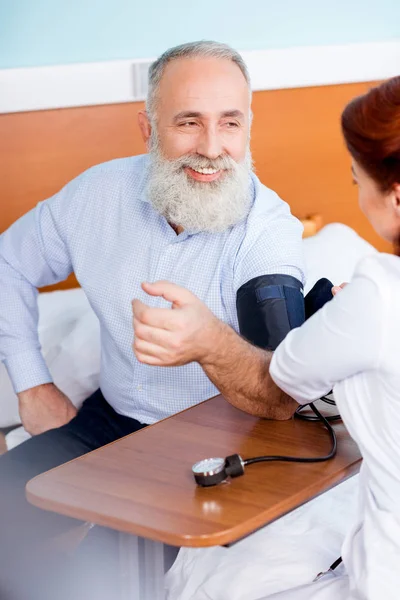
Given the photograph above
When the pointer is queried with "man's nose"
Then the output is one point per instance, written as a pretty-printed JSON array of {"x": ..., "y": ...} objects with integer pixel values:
[{"x": 209, "y": 144}]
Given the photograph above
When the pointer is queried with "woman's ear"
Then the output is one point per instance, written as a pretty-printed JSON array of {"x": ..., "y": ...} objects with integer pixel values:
[
  {"x": 145, "y": 127},
  {"x": 396, "y": 199}
]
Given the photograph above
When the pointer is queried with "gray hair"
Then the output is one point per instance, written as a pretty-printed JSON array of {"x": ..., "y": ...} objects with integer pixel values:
[{"x": 201, "y": 48}]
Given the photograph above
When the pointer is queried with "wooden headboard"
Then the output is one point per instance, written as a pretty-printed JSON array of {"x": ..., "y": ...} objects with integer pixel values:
[{"x": 296, "y": 144}]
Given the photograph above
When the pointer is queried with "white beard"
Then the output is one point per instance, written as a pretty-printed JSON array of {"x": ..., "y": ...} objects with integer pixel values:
[{"x": 199, "y": 206}]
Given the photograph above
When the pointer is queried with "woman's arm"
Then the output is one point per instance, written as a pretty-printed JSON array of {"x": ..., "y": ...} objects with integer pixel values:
[{"x": 340, "y": 340}]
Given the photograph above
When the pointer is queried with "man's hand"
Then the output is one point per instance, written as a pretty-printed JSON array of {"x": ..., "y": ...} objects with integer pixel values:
[
  {"x": 165, "y": 337},
  {"x": 189, "y": 331},
  {"x": 338, "y": 288},
  {"x": 44, "y": 407}
]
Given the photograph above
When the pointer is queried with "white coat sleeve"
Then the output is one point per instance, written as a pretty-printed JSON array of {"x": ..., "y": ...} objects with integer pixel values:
[{"x": 340, "y": 340}]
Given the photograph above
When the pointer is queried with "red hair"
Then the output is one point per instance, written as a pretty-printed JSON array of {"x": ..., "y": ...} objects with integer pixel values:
[{"x": 371, "y": 129}]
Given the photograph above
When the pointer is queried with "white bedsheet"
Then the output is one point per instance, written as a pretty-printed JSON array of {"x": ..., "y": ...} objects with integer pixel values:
[{"x": 285, "y": 554}]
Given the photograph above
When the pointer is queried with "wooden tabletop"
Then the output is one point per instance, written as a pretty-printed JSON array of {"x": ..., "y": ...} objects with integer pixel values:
[{"x": 143, "y": 484}]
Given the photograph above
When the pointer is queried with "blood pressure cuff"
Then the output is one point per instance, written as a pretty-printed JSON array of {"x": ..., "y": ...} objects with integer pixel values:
[{"x": 268, "y": 307}]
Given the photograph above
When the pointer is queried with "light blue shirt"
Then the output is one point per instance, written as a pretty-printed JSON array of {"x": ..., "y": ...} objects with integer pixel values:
[{"x": 102, "y": 226}]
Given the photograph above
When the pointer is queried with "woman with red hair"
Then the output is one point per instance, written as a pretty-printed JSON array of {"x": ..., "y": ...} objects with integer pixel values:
[{"x": 352, "y": 346}]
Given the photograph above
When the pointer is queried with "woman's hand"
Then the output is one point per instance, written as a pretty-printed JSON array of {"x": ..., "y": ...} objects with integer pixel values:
[{"x": 338, "y": 288}]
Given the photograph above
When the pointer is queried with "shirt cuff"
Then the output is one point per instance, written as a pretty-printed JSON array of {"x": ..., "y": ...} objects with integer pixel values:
[{"x": 27, "y": 369}]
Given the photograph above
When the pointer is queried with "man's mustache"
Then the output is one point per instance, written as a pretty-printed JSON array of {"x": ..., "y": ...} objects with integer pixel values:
[{"x": 196, "y": 161}]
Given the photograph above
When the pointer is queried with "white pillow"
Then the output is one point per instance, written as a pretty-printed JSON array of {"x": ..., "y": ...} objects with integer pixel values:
[
  {"x": 334, "y": 253},
  {"x": 70, "y": 338}
]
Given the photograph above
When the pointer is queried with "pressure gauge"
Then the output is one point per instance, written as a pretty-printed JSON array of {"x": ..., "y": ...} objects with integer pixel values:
[
  {"x": 209, "y": 471},
  {"x": 212, "y": 471}
]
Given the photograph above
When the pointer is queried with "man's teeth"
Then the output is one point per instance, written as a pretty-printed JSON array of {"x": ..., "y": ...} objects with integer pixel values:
[{"x": 206, "y": 171}]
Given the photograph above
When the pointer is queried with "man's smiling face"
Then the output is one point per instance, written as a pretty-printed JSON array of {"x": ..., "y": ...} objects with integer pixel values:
[
  {"x": 203, "y": 109},
  {"x": 199, "y": 142}
]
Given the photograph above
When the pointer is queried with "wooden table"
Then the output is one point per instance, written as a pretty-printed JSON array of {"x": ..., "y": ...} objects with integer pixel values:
[{"x": 143, "y": 485}]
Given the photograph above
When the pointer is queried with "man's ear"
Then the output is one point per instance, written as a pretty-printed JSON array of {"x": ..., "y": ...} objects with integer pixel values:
[{"x": 145, "y": 127}]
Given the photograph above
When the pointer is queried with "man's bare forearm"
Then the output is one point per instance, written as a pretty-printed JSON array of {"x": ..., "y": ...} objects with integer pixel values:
[
  {"x": 33, "y": 392},
  {"x": 44, "y": 407},
  {"x": 241, "y": 372}
]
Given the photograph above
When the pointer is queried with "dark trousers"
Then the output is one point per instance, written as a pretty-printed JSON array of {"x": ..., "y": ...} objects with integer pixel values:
[{"x": 25, "y": 567}]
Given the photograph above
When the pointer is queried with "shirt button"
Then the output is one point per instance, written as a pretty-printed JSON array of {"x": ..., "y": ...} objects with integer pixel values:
[{"x": 139, "y": 387}]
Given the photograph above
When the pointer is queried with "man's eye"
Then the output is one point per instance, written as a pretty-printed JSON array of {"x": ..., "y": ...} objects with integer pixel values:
[
  {"x": 232, "y": 124},
  {"x": 188, "y": 124}
]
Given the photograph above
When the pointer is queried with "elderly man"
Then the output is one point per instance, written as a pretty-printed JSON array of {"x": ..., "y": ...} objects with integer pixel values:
[{"x": 191, "y": 218}]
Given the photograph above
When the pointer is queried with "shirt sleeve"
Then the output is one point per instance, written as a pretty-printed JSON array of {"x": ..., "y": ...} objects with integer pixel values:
[
  {"x": 342, "y": 339},
  {"x": 33, "y": 253},
  {"x": 272, "y": 245}
]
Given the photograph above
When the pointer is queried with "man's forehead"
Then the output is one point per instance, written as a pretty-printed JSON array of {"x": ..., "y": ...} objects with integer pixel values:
[{"x": 187, "y": 83}]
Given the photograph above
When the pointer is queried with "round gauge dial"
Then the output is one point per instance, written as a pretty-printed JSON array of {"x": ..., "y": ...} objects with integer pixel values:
[{"x": 209, "y": 466}]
